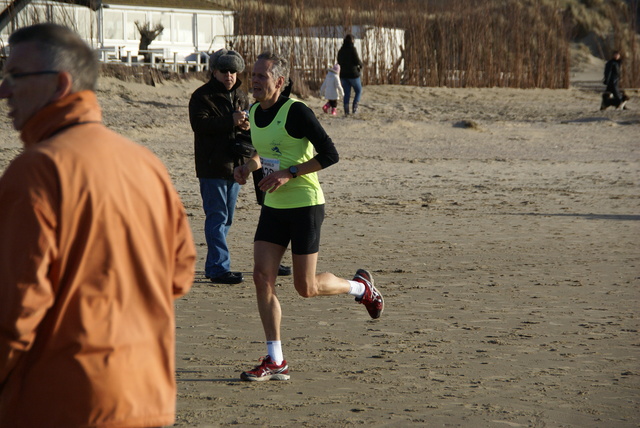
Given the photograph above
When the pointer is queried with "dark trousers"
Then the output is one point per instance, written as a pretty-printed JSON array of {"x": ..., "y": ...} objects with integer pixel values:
[{"x": 613, "y": 88}]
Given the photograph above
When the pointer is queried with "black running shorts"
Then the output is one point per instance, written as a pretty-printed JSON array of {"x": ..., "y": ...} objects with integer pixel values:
[{"x": 300, "y": 226}]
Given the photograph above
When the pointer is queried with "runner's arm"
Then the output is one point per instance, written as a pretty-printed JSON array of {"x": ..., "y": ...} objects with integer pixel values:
[{"x": 301, "y": 123}]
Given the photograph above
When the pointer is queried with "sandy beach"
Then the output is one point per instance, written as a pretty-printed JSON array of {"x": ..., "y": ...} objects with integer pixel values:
[{"x": 502, "y": 227}]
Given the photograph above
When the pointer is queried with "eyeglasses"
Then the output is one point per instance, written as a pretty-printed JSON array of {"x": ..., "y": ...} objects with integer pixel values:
[
  {"x": 225, "y": 71},
  {"x": 11, "y": 78}
]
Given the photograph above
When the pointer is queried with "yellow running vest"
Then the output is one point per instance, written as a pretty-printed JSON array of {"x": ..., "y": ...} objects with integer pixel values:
[{"x": 278, "y": 150}]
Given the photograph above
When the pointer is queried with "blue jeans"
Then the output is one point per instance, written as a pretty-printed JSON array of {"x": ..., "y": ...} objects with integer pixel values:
[
  {"x": 219, "y": 198},
  {"x": 347, "y": 84}
]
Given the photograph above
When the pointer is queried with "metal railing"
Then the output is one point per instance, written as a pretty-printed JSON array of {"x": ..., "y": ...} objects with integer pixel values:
[{"x": 156, "y": 59}]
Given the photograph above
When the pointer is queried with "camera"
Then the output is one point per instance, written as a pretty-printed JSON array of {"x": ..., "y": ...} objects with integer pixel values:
[{"x": 242, "y": 145}]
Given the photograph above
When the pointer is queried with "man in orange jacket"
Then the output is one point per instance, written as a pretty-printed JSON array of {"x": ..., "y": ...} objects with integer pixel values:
[{"x": 94, "y": 248}]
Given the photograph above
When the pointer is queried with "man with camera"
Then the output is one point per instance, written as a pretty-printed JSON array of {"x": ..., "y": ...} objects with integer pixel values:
[{"x": 217, "y": 115}]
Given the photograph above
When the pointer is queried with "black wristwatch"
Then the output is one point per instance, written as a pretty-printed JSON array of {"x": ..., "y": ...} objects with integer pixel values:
[{"x": 293, "y": 170}]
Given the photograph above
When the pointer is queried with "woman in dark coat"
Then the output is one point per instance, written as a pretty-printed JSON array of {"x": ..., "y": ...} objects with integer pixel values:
[
  {"x": 350, "y": 67},
  {"x": 612, "y": 76}
]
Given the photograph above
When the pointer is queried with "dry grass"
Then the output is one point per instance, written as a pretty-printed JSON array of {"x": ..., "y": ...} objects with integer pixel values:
[{"x": 484, "y": 43}]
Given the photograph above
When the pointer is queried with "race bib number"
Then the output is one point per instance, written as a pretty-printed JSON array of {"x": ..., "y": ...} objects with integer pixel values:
[{"x": 269, "y": 165}]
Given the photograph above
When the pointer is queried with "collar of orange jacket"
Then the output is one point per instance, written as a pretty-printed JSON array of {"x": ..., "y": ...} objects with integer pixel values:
[{"x": 76, "y": 108}]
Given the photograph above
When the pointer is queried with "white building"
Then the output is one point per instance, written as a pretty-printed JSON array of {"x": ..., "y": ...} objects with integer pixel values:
[
  {"x": 375, "y": 44},
  {"x": 313, "y": 49},
  {"x": 112, "y": 30}
]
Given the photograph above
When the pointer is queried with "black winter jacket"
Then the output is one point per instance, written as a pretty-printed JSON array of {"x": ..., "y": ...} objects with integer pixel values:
[
  {"x": 350, "y": 64},
  {"x": 211, "y": 115},
  {"x": 612, "y": 72}
]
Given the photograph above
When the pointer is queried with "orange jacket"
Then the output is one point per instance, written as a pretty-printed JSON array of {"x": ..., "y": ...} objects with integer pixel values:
[{"x": 94, "y": 248}]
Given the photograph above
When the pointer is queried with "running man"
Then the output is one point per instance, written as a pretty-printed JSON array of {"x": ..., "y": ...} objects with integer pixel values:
[{"x": 285, "y": 133}]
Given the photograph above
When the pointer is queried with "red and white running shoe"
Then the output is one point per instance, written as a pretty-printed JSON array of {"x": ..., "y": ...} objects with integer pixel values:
[
  {"x": 267, "y": 370},
  {"x": 371, "y": 299}
]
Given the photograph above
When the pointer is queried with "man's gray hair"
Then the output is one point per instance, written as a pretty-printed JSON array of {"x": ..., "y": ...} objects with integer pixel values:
[
  {"x": 61, "y": 49},
  {"x": 279, "y": 67}
]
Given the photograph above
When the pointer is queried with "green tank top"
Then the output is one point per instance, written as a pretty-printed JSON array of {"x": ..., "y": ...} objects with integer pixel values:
[{"x": 278, "y": 150}]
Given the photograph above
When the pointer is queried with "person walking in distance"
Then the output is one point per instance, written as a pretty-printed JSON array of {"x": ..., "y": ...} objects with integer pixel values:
[
  {"x": 331, "y": 89},
  {"x": 94, "y": 248},
  {"x": 350, "y": 69},
  {"x": 285, "y": 133},
  {"x": 612, "y": 78},
  {"x": 217, "y": 114}
]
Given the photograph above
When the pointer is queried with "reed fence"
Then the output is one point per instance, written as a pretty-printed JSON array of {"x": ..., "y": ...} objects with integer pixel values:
[{"x": 454, "y": 43}]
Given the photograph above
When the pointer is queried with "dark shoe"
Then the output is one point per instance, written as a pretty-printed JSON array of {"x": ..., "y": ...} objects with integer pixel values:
[
  {"x": 267, "y": 370},
  {"x": 228, "y": 273},
  {"x": 371, "y": 299},
  {"x": 355, "y": 108},
  {"x": 284, "y": 270},
  {"x": 228, "y": 278}
]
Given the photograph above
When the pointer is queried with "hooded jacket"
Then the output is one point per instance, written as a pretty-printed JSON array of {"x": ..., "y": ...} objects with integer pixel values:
[
  {"x": 211, "y": 115},
  {"x": 331, "y": 88},
  {"x": 94, "y": 248}
]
